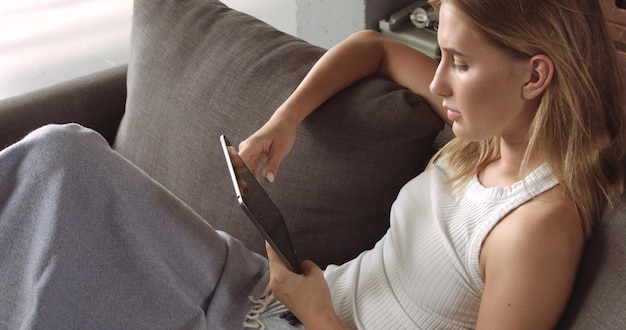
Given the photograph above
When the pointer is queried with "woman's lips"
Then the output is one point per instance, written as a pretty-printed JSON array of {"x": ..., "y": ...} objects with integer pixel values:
[{"x": 453, "y": 115}]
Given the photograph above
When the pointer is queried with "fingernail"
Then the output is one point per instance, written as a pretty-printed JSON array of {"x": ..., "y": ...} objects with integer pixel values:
[{"x": 270, "y": 177}]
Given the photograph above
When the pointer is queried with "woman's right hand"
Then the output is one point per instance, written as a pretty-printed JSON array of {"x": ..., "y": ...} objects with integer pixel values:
[{"x": 269, "y": 145}]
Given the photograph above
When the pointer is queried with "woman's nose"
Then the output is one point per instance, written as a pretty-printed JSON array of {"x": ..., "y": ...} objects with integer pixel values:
[{"x": 439, "y": 85}]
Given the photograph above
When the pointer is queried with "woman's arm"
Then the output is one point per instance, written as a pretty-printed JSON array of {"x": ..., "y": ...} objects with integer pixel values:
[{"x": 364, "y": 54}]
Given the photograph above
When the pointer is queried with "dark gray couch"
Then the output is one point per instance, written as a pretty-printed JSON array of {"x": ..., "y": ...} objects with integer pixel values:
[{"x": 199, "y": 69}]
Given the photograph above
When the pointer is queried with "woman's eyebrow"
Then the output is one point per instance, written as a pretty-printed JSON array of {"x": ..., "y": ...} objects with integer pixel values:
[{"x": 452, "y": 51}]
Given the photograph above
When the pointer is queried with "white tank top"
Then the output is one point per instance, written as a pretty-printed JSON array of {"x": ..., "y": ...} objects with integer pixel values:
[{"x": 425, "y": 272}]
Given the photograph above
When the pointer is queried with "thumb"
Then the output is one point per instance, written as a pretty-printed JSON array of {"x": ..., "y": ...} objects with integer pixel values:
[
  {"x": 274, "y": 158},
  {"x": 308, "y": 267},
  {"x": 269, "y": 173}
]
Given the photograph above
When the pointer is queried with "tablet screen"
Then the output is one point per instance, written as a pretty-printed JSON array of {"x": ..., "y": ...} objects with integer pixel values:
[{"x": 259, "y": 207}]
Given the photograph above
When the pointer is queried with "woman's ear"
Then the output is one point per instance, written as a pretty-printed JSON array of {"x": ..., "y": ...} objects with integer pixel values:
[{"x": 541, "y": 73}]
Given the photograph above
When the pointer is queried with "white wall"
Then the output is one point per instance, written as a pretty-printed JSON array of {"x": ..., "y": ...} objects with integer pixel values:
[
  {"x": 325, "y": 23},
  {"x": 281, "y": 14},
  {"x": 320, "y": 22},
  {"x": 44, "y": 42}
]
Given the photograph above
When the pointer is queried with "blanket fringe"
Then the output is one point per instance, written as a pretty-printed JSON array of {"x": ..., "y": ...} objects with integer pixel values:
[{"x": 260, "y": 305}]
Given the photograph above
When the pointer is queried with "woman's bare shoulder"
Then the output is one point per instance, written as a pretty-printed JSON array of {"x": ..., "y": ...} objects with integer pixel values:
[
  {"x": 550, "y": 213},
  {"x": 530, "y": 260},
  {"x": 549, "y": 218}
]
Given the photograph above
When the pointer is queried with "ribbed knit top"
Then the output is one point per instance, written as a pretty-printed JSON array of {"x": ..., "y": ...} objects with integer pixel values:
[{"x": 425, "y": 272}]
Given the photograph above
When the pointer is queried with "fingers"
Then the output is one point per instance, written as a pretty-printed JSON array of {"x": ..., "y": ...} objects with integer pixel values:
[
  {"x": 268, "y": 147},
  {"x": 282, "y": 279},
  {"x": 274, "y": 260},
  {"x": 256, "y": 153},
  {"x": 253, "y": 155},
  {"x": 274, "y": 158},
  {"x": 280, "y": 275},
  {"x": 271, "y": 255}
]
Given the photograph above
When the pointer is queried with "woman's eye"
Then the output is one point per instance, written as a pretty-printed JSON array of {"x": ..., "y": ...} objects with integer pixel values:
[{"x": 460, "y": 67}]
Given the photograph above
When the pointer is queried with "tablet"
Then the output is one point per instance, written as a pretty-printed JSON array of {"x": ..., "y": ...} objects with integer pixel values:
[{"x": 259, "y": 207}]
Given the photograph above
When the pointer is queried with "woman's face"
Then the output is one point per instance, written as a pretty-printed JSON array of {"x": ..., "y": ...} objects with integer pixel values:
[{"x": 481, "y": 84}]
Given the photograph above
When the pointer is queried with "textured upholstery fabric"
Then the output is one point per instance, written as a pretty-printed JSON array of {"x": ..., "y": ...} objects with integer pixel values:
[
  {"x": 96, "y": 101},
  {"x": 599, "y": 298},
  {"x": 199, "y": 69}
]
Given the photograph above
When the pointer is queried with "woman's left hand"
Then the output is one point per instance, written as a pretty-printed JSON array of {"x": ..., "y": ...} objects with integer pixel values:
[{"x": 306, "y": 295}]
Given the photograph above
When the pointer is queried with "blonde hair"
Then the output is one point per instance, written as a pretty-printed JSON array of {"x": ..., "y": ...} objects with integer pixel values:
[{"x": 579, "y": 126}]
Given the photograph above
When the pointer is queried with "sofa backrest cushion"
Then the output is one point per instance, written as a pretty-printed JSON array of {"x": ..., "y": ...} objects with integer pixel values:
[
  {"x": 199, "y": 69},
  {"x": 599, "y": 297}
]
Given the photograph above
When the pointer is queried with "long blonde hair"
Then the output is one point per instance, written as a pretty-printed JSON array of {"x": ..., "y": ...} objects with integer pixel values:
[{"x": 579, "y": 126}]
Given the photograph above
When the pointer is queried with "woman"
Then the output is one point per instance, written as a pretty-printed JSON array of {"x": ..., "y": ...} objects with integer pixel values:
[
  {"x": 489, "y": 236},
  {"x": 533, "y": 123}
]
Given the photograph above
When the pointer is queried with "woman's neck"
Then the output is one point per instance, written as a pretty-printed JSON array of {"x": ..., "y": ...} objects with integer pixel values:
[{"x": 505, "y": 170}]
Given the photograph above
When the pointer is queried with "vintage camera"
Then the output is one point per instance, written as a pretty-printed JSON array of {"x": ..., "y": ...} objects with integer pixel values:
[
  {"x": 425, "y": 17},
  {"x": 415, "y": 25},
  {"x": 420, "y": 13}
]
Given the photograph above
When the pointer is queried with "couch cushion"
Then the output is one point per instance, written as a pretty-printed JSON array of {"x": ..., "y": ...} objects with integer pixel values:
[
  {"x": 199, "y": 69},
  {"x": 599, "y": 298}
]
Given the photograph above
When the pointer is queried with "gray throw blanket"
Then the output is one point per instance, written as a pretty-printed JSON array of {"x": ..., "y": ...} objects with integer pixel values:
[{"x": 88, "y": 241}]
